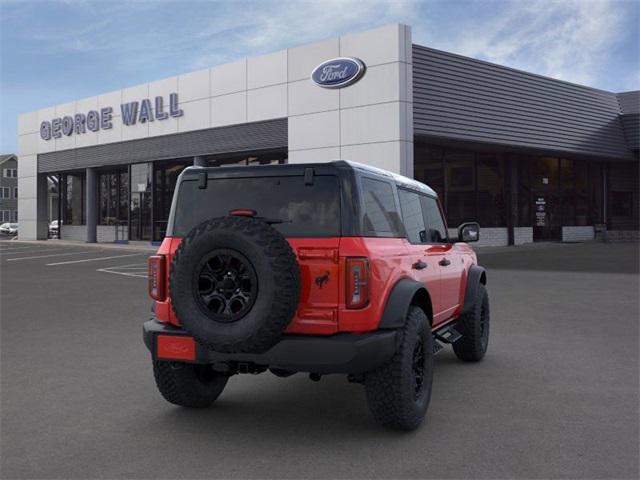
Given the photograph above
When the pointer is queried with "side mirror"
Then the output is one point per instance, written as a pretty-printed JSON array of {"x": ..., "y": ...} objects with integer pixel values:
[{"x": 469, "y": 232}]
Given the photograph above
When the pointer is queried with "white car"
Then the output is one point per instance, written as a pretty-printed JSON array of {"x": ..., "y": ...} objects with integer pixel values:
[
  {"x": 54, "y": 229},
  {"x": 9, "y": 228}
]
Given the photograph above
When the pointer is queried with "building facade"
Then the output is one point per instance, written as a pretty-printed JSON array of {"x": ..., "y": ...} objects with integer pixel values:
[
  {"x": 529, "y": 157},
  {"x": 8, "y": 188}
]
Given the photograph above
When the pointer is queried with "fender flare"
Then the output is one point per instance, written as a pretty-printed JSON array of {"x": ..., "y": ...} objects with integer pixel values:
[
  {"x": 403, "y": 294},
  {"x": 477, "y": 275}
]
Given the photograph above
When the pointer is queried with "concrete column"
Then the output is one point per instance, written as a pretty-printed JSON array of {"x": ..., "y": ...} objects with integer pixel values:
[
  {"x": 199, "y": 162},
  {"x": 91, "y": 205},
  {"x": 42, "y": 215}
]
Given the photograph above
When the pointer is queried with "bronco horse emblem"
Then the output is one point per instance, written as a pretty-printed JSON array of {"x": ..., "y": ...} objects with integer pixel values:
[{"x": 321, "y": 280}]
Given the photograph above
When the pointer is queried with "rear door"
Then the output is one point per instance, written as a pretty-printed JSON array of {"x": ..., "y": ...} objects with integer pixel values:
[
  {"x": 449, "y": 262},
  {"x": 424, "y": 257}
]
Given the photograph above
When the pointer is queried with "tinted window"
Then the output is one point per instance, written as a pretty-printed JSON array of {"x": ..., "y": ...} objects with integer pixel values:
[
  {"x": 412, "y": 215},
  {"x": 436, "y": 231},
  {"x": 306, "y": 210},
  {"x": 380, "y": 214}
]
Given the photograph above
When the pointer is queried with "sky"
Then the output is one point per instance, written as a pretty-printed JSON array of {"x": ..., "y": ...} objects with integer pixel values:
[{"x": 55, "y": 51}]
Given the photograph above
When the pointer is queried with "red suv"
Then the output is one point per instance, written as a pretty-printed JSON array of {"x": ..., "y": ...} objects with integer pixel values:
[{"x": 320, "y": 268}]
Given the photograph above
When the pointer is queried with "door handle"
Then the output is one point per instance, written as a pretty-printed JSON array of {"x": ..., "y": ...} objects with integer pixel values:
[
  {"x": 444, "y": 262},
  {"x": 419, "y": 265}
]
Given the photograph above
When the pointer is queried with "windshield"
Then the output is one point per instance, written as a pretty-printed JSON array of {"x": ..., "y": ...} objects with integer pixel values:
[{"x": 303, "y": 210}]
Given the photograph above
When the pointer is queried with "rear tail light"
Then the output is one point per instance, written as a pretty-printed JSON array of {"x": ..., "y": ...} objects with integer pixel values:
[
  {"x": 357, "y": 282},
  {"x": 156, "y": 277}
]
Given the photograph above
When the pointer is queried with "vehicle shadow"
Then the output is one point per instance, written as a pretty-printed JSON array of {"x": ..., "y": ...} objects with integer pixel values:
[{"x": 295, "y": 408}]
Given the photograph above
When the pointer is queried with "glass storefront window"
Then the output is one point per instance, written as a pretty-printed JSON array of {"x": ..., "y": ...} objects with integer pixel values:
[
  {"x": 460, "y": 187},
  {"x": 623, "y": 199},
  {"x": 523, "y": 176},
  {"x": 428, "y": 167},
  {"x": 596, "y": 188},
  {"x": 581, "y": 176},
  {"x": 112, "y": 194},
  {"x": 549, "y": 192},
  {"x": 140, "y": 202},
  {"x": 491, "y": 199},
  {"x": 73, "y": 199}
]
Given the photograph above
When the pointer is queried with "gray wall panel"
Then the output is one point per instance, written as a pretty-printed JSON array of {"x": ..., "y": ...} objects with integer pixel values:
[
  {"x": 629, "y": 101},
  {"x": 456, "y": 97},
  {"x": 237, "y": 138},
  {"x": 631, "y": 126}
]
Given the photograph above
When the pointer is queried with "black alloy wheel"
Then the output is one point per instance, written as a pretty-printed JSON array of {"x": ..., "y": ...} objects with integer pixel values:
[
  {"x": 226, "y": 285},
  {"x": 418, "y": 367}
]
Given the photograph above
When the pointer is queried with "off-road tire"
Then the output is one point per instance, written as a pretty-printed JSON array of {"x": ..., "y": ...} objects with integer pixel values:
[
  {"x": 278, "y": 284},
  {"x": 392, "y": 395},
  {"x": 188, "y": 385},
  {"x": 474, "y": 328}
]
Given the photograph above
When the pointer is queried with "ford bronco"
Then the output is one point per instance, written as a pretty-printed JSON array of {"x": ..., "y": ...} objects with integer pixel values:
[{"x": 320, "y": 268}]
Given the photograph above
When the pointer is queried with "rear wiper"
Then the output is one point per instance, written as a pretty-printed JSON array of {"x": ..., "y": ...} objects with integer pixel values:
[
  {"x": 245, "y": 212},
  {"x": 272, "y": 221}
]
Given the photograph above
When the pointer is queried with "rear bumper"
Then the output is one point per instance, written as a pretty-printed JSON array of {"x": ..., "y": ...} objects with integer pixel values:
[{"x": 339, "y": 353}]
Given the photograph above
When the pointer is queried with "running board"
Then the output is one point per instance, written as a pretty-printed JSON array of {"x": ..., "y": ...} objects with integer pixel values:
[
  {"x": 447, "y": 335},
  {"x": 437, "y": 346}
]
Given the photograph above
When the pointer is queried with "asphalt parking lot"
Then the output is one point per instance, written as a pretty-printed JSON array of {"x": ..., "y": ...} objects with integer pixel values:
[{"x": 556, "y": 396}]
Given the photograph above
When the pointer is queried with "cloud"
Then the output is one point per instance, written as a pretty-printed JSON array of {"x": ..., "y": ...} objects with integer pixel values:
[
  {"x": 569, "y": 40},
  {"x": 267, "y": 26}
]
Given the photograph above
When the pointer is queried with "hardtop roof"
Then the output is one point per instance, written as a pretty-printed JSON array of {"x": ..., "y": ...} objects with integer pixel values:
[{"x": 400, "y": 180}]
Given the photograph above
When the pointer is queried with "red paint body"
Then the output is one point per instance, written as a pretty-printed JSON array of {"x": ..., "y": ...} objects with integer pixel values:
[{"x": 322, "y": 310}]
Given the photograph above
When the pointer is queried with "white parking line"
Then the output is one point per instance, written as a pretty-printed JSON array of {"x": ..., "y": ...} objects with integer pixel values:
[
  {"x": 47, "y": 256},
  {"x": 20, "y": 249},
  {"x": 131, "y": 270},
  {"x": 126, "y": 274},
  {"x": 92, "y": 259},
  {"x": 39, "y": 250}
]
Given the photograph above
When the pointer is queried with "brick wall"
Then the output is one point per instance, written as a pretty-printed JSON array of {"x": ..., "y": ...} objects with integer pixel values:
[
  {"x": 522, "y": 235},
  {"x": 577, "y": 234},
  {"x": 489, "y": 237},
  {"x": 73, "y": 232},
  {"x": 614, "y": 236}
]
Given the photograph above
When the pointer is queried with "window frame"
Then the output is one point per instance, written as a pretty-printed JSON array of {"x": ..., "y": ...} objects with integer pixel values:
[
  {"x": 442, "y": 217},
  {"x": 400, "y": 230},
  {"x": 409, "y": 190},
  {"x": 422, "y": 195}
]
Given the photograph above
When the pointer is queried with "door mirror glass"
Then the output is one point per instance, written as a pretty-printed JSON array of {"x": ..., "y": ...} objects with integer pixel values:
[{"x": 469, "y": 232}]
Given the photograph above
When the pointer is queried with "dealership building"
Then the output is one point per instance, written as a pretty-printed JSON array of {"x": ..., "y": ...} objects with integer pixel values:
[{"x": 530, "y": 158}]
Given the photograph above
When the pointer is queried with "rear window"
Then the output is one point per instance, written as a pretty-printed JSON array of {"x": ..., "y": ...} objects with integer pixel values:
[
  {"x": 306, "y": 210},
  {"x": 381, "y": 217}
]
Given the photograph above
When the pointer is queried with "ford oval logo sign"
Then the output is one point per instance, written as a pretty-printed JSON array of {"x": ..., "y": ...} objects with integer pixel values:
[{"x": 338, "y": 73}]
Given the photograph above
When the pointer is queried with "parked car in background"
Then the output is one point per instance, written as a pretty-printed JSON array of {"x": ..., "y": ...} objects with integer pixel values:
[
  {"x": 54, "y": 229},
  {"x": 9, "y": 229}
]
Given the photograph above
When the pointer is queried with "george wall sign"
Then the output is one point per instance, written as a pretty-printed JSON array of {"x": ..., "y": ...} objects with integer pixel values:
[
  {"x": 94, "y": 120},
  {"x": 339, "y": 72}
]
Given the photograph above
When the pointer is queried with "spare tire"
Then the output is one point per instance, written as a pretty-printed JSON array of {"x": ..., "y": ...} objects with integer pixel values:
[{"x": 234, "y": 284}]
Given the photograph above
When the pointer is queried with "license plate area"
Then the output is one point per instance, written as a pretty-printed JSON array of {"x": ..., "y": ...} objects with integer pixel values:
[{"x": 173, "y": 347}]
